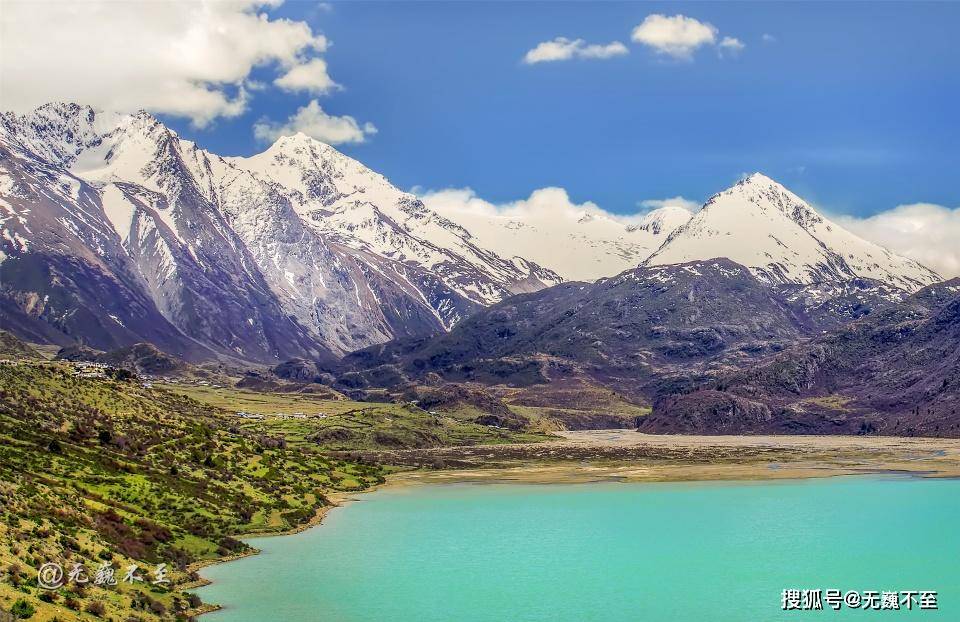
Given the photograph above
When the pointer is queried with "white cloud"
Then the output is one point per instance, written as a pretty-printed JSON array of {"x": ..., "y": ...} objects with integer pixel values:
[
  {"x": 677, "y": 201},
  {"x": 188, "y": 59},
  {"x": 543, "y": 204},
  {"x": 679, "y": 36},
  {"x": 310, "y": 76},
  {"x": 562, "y": 48},
  {"x": 768, "y": 38},
  {"x": 551, "y": 200},
  {"x": 731, "y": 45},
  {"x": 924, "y": 232},
  {"x": 314, "y": 122}
]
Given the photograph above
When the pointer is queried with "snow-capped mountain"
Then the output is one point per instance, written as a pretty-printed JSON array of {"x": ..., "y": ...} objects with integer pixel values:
[
  {"x": 358, "y": 207},
  {"x": 594, "y": 244},
  {"x": 114, "y": 230},
  {"x": 760, "y": 224},
  {"x": 298, "y": 251}
]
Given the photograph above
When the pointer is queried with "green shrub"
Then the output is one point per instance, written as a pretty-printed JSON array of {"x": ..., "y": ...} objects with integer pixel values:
[{"x": 22, "y": 610}]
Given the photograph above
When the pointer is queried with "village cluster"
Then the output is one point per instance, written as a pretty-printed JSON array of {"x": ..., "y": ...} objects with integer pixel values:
[
  {"x": 242, "y": 414},
  {"x": 172, "y": 380},
  {"x": 81, "y": 369},
  {"x": 96, "y": 370}
]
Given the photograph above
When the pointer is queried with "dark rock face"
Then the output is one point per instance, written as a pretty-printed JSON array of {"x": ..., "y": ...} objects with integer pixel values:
[
  {"x": 144, "y": 358},
  {"x": 296, "y": 369},
  {"x": 454, "y": 396},
  {"x": 59, "y": 299},
  {"x": 629, "y": 329},
  {"x": 712, "y": 411},
  {"x": 896, "y": 372},
  {"x": 831, "y": 305},
  {"x": 140, "y": 358}
]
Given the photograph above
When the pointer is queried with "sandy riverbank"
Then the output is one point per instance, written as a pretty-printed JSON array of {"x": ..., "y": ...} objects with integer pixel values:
[{"x": 626, "y": 455}]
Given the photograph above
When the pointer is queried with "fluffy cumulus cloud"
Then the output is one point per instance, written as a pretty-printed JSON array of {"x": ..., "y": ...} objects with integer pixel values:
[
  {"x": 731, "y": 45},
  {"x": 186, "y": 58},
  {"x": 677, "y": 201},
  {"x": 562, "y": 48},
  {"x": 544, "y": 204},
  {"x": 552, "y": 201},
  {"x": 310, "y": 76},
  {"x": 679, "y": 36},
  {"x": 313, "y": 121},
  {"x": 924, "y": 232}
]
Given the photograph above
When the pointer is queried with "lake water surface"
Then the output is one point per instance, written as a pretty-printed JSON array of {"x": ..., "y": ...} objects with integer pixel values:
[{"x": 696, "y": 552}]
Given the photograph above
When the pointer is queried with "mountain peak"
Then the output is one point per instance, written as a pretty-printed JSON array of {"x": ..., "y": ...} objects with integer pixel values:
[
  {"x": 760, "y": 185},
  {"x": 298, "y": 138},
  {"x": 761, "y": 224},
  {"x": 664, "y": 219},
  {"x": 60, "y": 112},
  {"x": 756, "y": 195},
  {"x": 297, "y": 142},
  {"x": 60, "y": 132},
  {"x": 758, "y": 178}
]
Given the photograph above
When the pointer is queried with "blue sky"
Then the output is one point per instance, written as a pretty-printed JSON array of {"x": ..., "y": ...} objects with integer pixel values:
[{"x": 851, "y": 105}]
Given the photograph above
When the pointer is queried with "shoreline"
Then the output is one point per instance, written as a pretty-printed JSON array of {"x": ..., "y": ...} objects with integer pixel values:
[
  {"x": 336, "y": 499},
  {"x": 687, "y": 459}
]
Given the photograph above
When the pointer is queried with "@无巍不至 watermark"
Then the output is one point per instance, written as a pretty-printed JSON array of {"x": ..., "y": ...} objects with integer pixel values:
[
  {"x": 889, "y": 600},
  {"x": 52, "y": 575}
]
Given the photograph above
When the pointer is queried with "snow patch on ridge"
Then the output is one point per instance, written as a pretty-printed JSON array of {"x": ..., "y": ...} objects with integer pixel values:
[{"x": 119, "y": 210}]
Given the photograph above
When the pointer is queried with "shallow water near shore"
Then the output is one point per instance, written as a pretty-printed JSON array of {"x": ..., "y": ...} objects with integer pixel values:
[{"x": 719, "y": 551}]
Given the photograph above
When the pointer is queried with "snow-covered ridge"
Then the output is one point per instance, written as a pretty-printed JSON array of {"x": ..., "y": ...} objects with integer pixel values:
[
  {"x": 300, "y": 240},
  {"x": 358, "y": 207},
  {"x": 328, "y": 190},
  {"x": 578, "y": 244},
  {"x": 760, "y": 224}
]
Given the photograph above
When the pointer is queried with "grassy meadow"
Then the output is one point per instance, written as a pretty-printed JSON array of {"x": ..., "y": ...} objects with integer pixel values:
[{"x": 96, "y": 471}]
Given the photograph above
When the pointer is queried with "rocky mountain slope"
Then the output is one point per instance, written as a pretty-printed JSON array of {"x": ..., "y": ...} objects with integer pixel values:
[
  {"x": 628, "y": 330},
  {"x": 359, "y": 208},
  {"x": 115, "y": 230},
  {"x": 712, "y": 347},
  {"x": 895, "y": 372}
]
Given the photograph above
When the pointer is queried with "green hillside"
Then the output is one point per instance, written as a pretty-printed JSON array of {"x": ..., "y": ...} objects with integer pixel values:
[{"x": 100, "y": 470}]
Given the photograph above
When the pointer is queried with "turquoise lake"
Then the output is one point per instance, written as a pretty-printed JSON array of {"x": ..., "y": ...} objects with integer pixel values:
[{"x": 677, "y": 552}]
